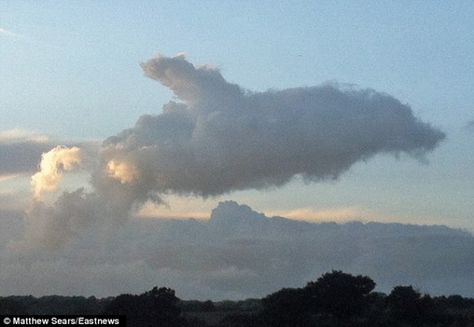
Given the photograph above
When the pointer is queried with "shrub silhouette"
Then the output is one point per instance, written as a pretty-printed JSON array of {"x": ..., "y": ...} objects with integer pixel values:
[
  {"x": 158, "y": 307},
  {"x": 406, "y": 304},
  {"x": 287, "y": 307},
  {"x": 339, "y": 294}
]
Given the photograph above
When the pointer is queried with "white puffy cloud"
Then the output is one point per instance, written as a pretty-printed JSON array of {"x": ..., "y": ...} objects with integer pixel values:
[{"x": 53, "y": 164}]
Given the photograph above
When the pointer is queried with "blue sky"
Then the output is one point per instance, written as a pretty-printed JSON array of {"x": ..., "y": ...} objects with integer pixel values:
[{"x": 71, "y": 70}]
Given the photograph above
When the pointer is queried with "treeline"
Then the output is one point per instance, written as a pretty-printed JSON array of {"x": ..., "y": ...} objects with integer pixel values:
[{"x": 334, "y": 299}]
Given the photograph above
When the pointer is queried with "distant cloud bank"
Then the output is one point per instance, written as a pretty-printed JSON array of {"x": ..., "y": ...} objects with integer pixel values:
[{"x": 237, "y": 254}]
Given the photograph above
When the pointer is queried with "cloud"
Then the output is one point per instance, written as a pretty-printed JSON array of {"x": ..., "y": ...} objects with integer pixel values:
[
  {"x": 51, "y": 226},
  {"x": 122, "y": 171},
  {"x": 13, "y": 201},
  {"x": 221, "y": 138},
  {"x": 237, "y": 254},
  {"x": 53, "y": 164},
  {"x": 4, "y": 178},
  {"x": 20, "y": 151},
  {"x": 153, "y": 211},
  {"x": 331, "y": 214},
  {"x": 7, "y": 33},
  {"x": 241, "y": 253},
  {"x": 23, "y": 152},
  {"x": 21, "y": 135}
]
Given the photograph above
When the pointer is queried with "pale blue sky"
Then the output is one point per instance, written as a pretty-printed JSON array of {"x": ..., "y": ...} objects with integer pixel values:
[{"x": 70, "y": 69}]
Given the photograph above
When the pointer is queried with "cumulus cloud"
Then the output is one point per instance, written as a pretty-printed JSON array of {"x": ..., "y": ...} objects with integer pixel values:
[
  {"x": 220, "y": 137},
  {"x": 50, "y": 226},
  {"x": 53, "y": 164},
  {"x": 122, "y": 171}
]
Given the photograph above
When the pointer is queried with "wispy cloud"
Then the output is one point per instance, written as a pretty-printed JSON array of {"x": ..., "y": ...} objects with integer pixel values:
[
  {"x": 327, "y": 214},
  {"x": 7, "y": 177},
  {"x": 21, "y": 135},
  {"x": 6, "y": 33},
  {"x": 27, "y": 39},
  {"x": 178, "y": 208}
]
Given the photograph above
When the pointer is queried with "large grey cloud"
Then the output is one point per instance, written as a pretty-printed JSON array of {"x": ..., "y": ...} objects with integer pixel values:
[
  {"x": 220, "y": 137},
  {"x": 239, "y": 253}
]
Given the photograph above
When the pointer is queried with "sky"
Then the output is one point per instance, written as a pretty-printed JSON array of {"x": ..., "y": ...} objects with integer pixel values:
[{"x": 70, "y": 75}]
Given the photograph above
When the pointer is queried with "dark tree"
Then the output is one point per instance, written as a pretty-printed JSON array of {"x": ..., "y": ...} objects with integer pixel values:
[
  {"x": 13, "y": 306},
  {"x": 339, "y": 294},
  {"x": 158, "y": 307},
  {"x": 406, "y": 304},
  {"x": 287, "y": 307}
]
